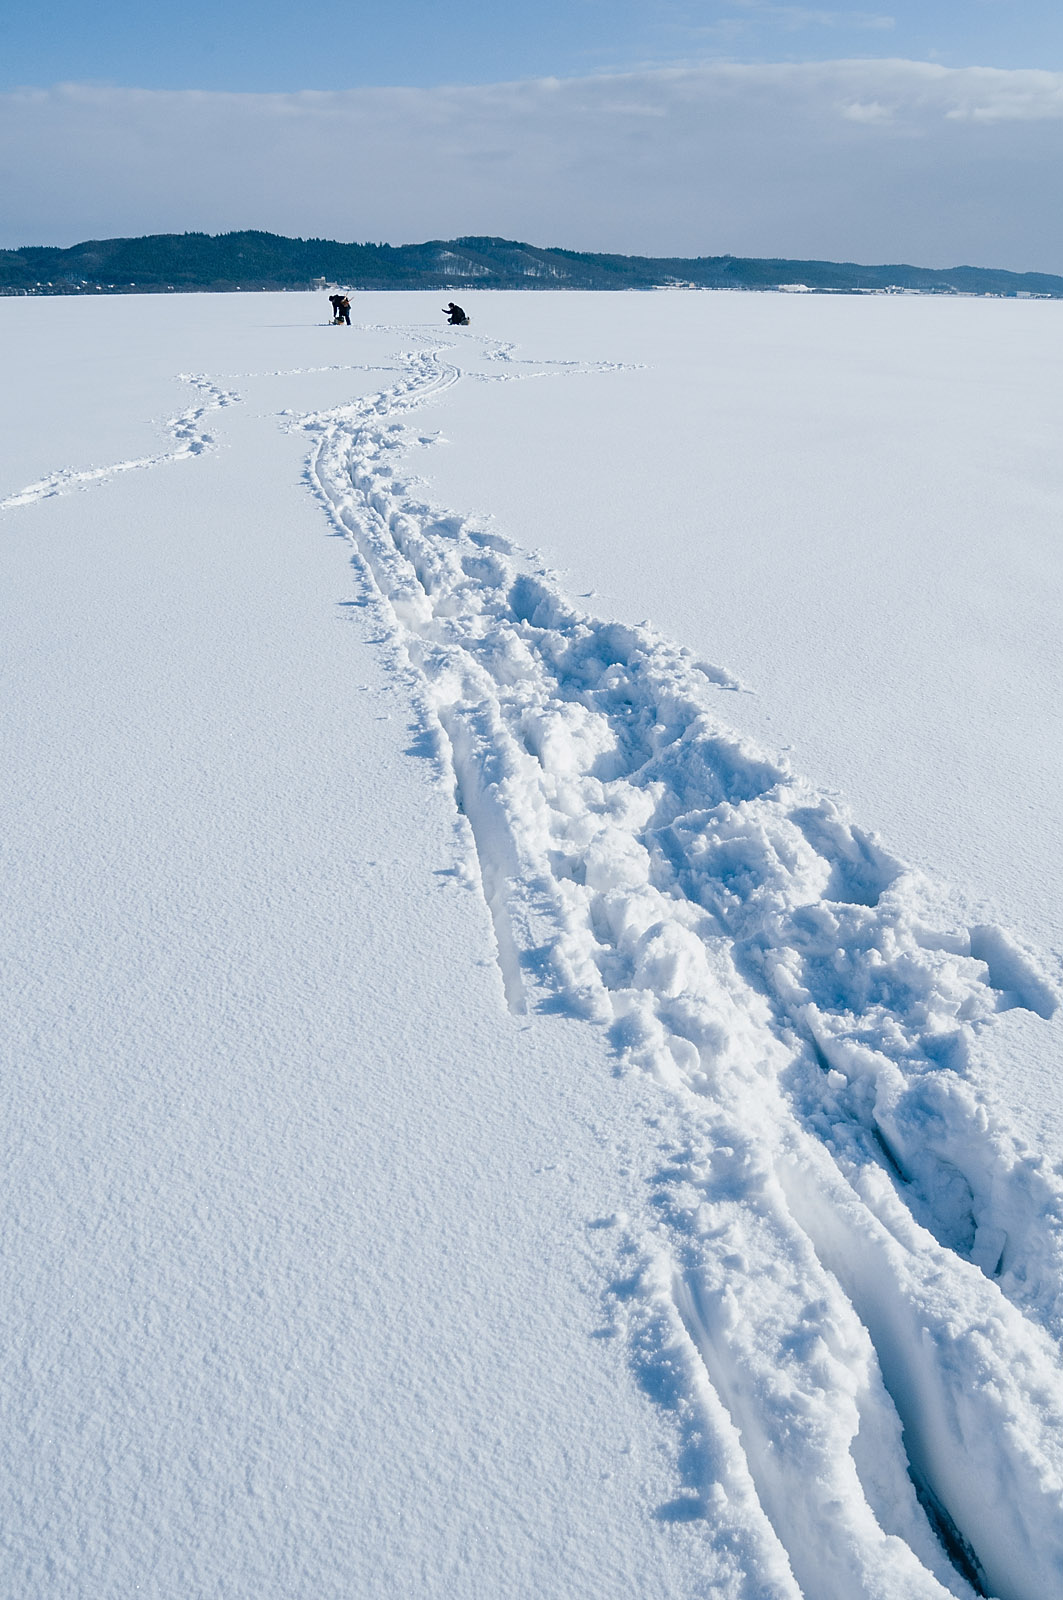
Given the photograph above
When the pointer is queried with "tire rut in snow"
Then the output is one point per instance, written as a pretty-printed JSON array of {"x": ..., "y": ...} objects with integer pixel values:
[{"x": 862, "y": 1266}]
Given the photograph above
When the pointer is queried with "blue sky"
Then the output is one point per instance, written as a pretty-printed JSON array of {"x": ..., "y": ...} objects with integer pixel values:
[
  {"x": 272, "y": 45},
  {"x": 926, "y": 132}
]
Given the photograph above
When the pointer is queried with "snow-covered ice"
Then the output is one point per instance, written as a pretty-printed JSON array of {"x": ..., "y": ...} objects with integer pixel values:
[{"x": 503, "y": 1096}]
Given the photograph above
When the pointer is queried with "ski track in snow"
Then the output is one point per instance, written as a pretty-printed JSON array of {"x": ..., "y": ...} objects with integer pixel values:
[
  {"x": 186, "y": 430},
  {"x": 849, "y": 1297}
]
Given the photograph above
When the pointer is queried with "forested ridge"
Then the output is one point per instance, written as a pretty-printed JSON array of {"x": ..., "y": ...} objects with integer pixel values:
[{"x": 254, "y": 260}]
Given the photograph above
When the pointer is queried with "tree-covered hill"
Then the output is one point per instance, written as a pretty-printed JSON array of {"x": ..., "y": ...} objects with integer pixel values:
[{"x": 252, "y": 260}]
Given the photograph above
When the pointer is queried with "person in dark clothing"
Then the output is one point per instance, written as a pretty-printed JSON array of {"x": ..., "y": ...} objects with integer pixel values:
[
  {"x": 456, "y": 316},
  {"x": 341, "y": 308}
]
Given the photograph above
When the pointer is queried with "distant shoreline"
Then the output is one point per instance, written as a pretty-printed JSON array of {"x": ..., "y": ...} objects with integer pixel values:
[{"x": 253, "y": 261}]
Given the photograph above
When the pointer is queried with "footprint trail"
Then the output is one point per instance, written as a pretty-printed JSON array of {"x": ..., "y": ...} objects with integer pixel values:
[
  {"x": 846, "y": 1285},
  {"x": 186, "y": 430}
]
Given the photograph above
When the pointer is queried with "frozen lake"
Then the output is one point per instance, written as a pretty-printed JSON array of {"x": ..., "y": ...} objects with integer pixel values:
[{"x": 530, "y": 939}]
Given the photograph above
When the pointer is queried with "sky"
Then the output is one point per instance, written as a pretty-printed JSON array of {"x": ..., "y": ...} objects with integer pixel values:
[
  {"x": 273, "y": 46},
  {"x": 925, "y": 132}
]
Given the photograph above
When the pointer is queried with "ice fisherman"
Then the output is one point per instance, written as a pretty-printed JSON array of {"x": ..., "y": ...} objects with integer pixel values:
[
  {"x": 341, "y": 308},
  {"x": 456, "y": 316}
]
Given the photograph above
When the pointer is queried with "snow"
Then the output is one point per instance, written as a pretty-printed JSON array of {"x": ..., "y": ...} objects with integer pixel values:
[{"x": 481, "y": 1116}]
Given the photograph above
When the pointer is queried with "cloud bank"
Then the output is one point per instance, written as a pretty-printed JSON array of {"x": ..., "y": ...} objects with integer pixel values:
[{"x": 857, "y": 160}]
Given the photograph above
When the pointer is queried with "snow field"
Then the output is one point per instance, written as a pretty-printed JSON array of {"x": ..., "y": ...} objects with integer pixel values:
[
  {"x": 833, "y": 1266},
  {"x": 298, "y": 1293},
  {"x": 855, "y": 1252},
  {"x": 188, "y": 437},
  {"x": 852, "y": 503}
]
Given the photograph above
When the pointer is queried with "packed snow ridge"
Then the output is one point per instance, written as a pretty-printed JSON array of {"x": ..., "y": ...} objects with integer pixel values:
[{"x": 847, "y": 1289}]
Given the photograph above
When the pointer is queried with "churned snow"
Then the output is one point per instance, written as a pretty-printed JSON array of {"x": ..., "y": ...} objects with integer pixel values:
[{"x": 503, "y": 1096}]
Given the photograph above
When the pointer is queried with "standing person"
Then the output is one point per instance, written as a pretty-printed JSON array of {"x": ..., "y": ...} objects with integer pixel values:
[
  {"x": 456, "y": 316},
  {"x": 343, "y": 310}
]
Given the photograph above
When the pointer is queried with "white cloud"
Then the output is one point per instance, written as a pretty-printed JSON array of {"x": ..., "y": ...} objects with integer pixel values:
[
  {"x": 988, "y": 95},
  {"x": 867, "y": 111},
  {"x": 865, "y": 160}
]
